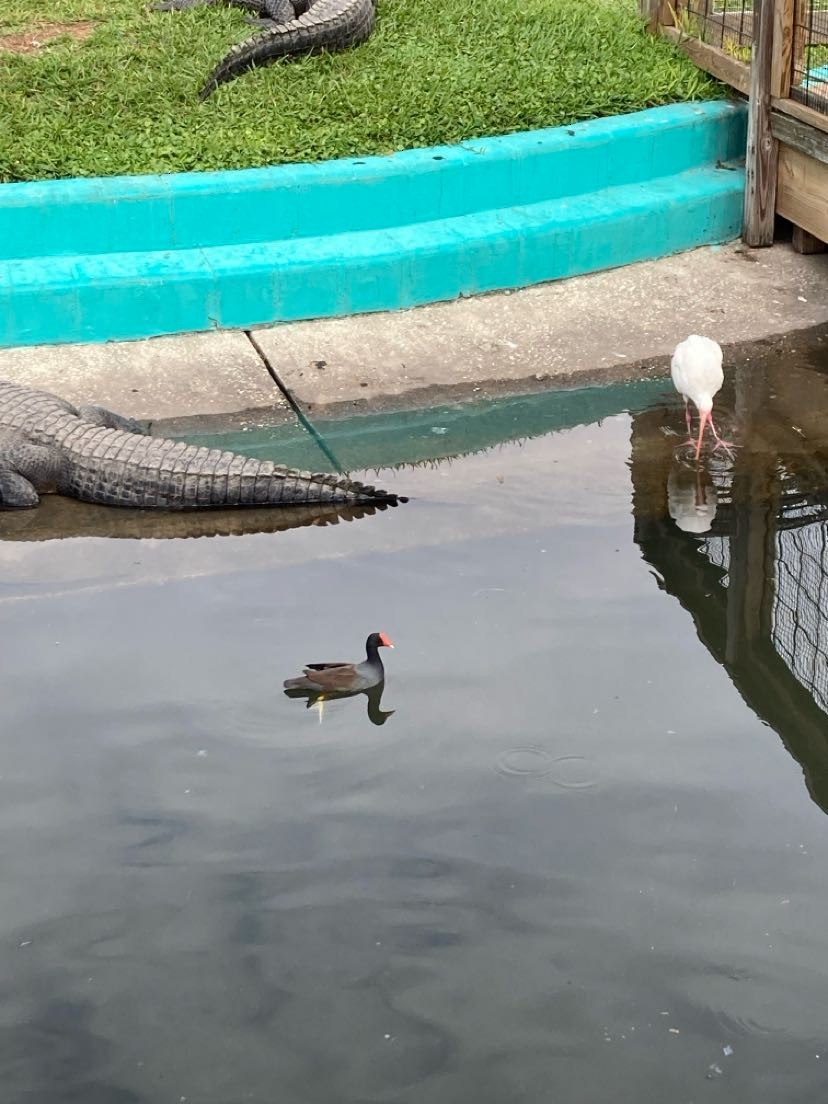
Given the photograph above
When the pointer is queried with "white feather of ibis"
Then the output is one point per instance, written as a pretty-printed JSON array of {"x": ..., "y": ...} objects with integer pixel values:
[{"x": 696, "y": 369}]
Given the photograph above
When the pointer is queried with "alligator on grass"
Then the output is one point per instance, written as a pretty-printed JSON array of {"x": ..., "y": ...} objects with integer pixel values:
[
  {"x": 290, "y": 27},
  {"x": 47, "y": 445}
]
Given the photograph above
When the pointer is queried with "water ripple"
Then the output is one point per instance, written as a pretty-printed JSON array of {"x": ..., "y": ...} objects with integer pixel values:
[{"x": 571, "y": 772}]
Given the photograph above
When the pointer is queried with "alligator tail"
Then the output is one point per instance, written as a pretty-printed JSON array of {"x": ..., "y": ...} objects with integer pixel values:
[
  {"x": 327, "y": 25},
  {"x": 114, "y": 468},
  {"x": 232, "y": 481}
]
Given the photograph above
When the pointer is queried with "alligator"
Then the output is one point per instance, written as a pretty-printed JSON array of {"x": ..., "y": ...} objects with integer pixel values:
[
  {"x": 92, "y": 454},
  {"x": 290, "y": 27}
]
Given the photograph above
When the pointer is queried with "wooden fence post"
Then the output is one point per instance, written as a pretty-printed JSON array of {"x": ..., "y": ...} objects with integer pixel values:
[
  {"x": 649, "y": 11},
  {"x": 762, "y": 149},
  {"x": 782, "y": 53},
  {"x": 658, "y": 12}
]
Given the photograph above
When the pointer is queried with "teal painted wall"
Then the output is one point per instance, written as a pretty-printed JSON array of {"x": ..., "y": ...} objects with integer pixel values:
[{"x": 129, "y": 257}]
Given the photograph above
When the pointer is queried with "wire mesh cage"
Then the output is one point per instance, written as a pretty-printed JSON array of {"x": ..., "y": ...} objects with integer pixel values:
[
  {"x": 729, "y": 26},
  {"x": 809, "y": 75},
  {"x": 726, "y": 24}
]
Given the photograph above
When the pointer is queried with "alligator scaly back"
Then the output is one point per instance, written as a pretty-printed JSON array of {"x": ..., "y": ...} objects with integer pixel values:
[
  {"x": 326, "y": 25},
  {"x": 91, "y": 454}
]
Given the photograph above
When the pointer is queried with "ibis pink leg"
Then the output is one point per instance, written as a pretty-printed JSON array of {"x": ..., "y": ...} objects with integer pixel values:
[
  {"x": 719, "y": 442},
  {"x": 689, "y": 422}
]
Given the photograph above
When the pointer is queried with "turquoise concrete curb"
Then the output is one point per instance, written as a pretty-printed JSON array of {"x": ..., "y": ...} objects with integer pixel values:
[{"x": 131, "y": 257}]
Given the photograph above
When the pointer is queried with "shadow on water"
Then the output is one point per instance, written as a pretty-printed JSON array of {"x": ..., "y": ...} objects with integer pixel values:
[
  {"x": 58, "y": 518},
  {"x": 439, "y": 434},
  {"x": 742, "y": 543}
]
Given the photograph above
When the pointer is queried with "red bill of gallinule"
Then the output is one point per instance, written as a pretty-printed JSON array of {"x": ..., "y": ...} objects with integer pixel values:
[{"x": 344, "y": 678}]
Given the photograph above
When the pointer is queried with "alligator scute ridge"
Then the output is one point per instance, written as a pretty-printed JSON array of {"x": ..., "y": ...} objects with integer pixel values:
[
  {"x": 94, "y": 455},
  {"x": 315, "y": 25}
]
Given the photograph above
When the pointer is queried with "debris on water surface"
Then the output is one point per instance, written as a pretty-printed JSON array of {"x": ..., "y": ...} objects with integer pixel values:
[
  {"x": 713, "y": 1071},
  {"x": 440, "y": 430},
  {"x": 727, "y": 1050},
  {"x": 674, "y": 1031}
]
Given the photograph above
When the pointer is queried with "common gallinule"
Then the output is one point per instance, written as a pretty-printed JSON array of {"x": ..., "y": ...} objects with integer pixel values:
[
  {"x": 696, "y": 369},
  {"x": 344, "y": 678}
]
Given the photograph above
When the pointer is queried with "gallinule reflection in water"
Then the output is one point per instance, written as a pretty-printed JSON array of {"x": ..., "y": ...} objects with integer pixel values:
[{"x": 321, "y": 682}]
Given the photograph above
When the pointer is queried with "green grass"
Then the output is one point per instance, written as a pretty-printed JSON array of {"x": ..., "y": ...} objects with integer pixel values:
[{"x": 124, "y": 100}]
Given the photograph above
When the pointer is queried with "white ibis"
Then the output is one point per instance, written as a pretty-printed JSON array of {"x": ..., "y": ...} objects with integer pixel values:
[{"x": 697, "y": 374}]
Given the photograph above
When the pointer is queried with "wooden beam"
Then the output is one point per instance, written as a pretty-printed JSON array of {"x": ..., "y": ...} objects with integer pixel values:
[
  {"x": 712, "y": 60},
  {"x": 648, "y": 10},
  {"x": 803, "y": 242},
  {"x": 802, "y": 192},
  {"x": 655, "y": 13},
  {"x": 783, "y": 30},
  {"x": 798, "y": 47},
  {"x": 762, "y": 148},
  {"x": 787, "y": 129},
  {"x": 667, "y": 11},
  {"x": 804, "y": 114}
]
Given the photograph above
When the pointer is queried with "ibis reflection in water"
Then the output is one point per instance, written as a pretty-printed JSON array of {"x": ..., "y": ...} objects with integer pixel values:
[{"x": 741, "y": 541}]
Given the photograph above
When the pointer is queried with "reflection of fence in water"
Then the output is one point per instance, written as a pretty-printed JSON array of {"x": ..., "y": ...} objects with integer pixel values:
[
  {"x": 799, "y": 612},
  {"x": 717, "y": 550},
  {"x": 800, "y": 609}
]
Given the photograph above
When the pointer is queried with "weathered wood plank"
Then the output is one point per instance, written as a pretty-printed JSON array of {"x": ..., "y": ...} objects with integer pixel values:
[
  {"x": 787, "y": 129},
  {"x": 800, "y": 111},
  {"x": 802, "y": 191},
  {"x": 783, "y": 30},
  {"x": 655, "y": 12},
  {"x": 803, "y": 242},
  {"x": 648, "y": 10},
  {"x": 762, "y": 148},
  {"x": 712, "y": 60}
]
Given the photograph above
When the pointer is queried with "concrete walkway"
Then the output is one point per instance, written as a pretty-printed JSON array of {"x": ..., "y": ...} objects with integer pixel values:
[{"x": 611, "y": 325}]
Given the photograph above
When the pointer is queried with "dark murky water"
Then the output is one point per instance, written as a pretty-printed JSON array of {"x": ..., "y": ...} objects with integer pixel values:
[{"x": 583, "y": 860}]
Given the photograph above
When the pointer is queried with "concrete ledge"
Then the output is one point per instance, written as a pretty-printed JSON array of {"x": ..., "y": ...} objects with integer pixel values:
[
  {"x": 214, "y": 374},
  {"x": 573, "y": 333},
  {"x": 95, "y": 260}
]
